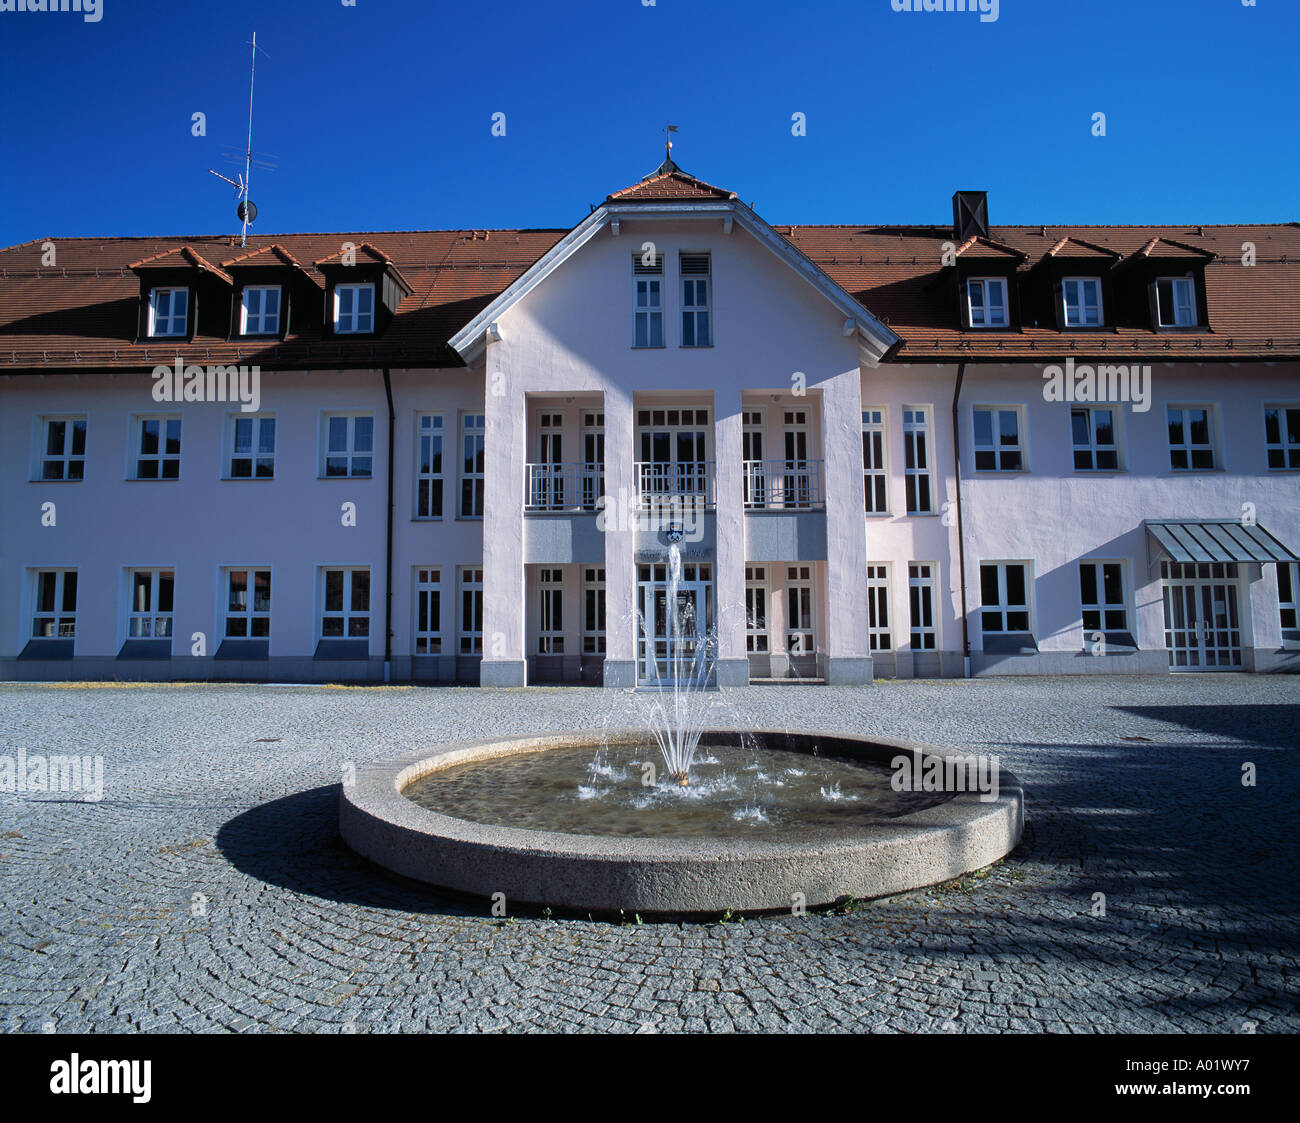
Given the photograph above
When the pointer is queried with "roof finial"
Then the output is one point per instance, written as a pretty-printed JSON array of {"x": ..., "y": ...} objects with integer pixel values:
[{"x": 667, "y": 166}]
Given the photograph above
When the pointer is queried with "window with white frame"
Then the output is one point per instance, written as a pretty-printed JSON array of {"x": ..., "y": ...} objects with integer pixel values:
[
  {"x": 428, "y": 611},
  {"x": 920, "y": 594},
  {"x": 593, "y": 610},
  {"x": 800, "y": 630},
  {"x": 252, "y": 446},
  {"x": 1092, "y": 431},
  {"x": 1176, "y": 302},
  {"x": 695, "y": 300},
  {"x": 550, "y": 626},
  {"x": 151, "y": 594},
  {"x": 429, "y": 473},
  {"x": 879, "y": 632},
  {"x": 247, "y": 612},
  {"x": 986, "y": 299},
  {"x": 998, "y": 445},
  {"x": 63, "y": 448},
  {"x": 874, "y": 478},
  {"x": 169, "y": 312},
  {"x": 916, "y": 459},
  {"x": 1101, "y": 597},
  {"x": 259, "y": 310},
  {"x": 345, "y": 604},
  {"x": 1082, "y": 298},
  {"x": 1191, "y": 437},
  {"x": 473, "y": 435},
  {"x": 1004, "y": 597},
  {"x": 354, "y": 309},
  {"x": 756, "y": 634},
  {"x": 1281, "y": 436},
  {"x": 54, "y": 604},
  {"x": 1288, "y": 594},
  {"x": 157, "y": 448},
  {"x": 471, "y": 611},
  {"x": 349, "y": 446},
  {"x": 647, "y": 300}
]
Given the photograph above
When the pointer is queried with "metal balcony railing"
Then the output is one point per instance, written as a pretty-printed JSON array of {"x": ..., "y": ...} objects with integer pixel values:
[
  {"x": 564, "y": 487},
  {"x": 658, "y": 483},
  {"x": 783, "y": 485}
]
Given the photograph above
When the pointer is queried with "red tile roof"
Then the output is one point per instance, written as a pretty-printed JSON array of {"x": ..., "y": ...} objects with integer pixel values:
[
  {"x": 182, "y": 257},
  {"x": 669, "y": 182}
]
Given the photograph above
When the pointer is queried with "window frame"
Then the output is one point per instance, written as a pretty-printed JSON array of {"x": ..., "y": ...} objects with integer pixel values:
[
  {"x": 254, "y": 456},
  {"x": 655, "y": 273},
  {"x": 431, "y": 482},
  {"x": 65, "y": 458},
  {"x": 1187, "y": 446},
  {"x": 692, "y": 309},
  {"x": 355, "y": 287},
  {"x": 875, "y": 424},
  {"x": 986, "y": 306},
  {"x": 550, "y": 610},
  {"x": 910, "y": 430},
  {"x": 594, "y": 637},
  {"x": 58, "y": 615},
  {"x": 880, "y": 635},
  {"x": 170, "y": 318},
  {"x": 469, "y": 583},
  {"x": 428, "y": 584},
  {"x": 250, "y": 614},
  {"x": 1003, "y": 607},
  {"x": 152, "y": 614},
  {"x": 472, "y": 426},
  {"x": 1083, "y": 305},
  {"x": 1104, "y": 607},
  {"x": 262, "y": 313},
  {"x": 1283, "y": 446},
  {"x": 921, "y": 596},
  {"x": 796, "y": 583},
  {"x": 758, "y": 628},
  {"x": 1092, "y": 448},
  {"x": 135, "y": 455},
  {"x": 1188, "y": 280},
  {"x": 1288, "y": 606},
  {"x": 997, "y": 447},
  {"x": 347, "y": 614},
  {"x": 350, "y": 452}
]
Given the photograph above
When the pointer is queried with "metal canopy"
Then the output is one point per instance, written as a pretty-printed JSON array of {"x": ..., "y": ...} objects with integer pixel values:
[{"x": 1217, "y": 540}]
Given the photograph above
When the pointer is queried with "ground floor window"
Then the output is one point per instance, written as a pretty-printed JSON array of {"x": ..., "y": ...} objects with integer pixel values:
[
  {"x": 248, "y": 604},
  {"x": 593, "y": 610},
  {"x": 471, "y": 611},
  {"x": 1288, "y": 582},
  {"x": 345, "y": 604},
  {"x": 756, "y": 637},
  {"x": 920, "y": 591},
  {"x": 1004, "y": 597},
  {"x": 1101, "y": 595},
  {"x": 428, "y": 612},
  {"x": 878, "y": 628},
  {"x": 54, "y": 609},
  {"x": 550, "y": 631},
  {"x": 149, "y": 611},
  {"x": 800, "y": 630}
]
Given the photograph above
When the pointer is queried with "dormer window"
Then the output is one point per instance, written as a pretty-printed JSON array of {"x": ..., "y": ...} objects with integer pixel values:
[
  {"x": 1176, "y": 302},
  {"x": 987, "y": 302},
  {"x": 169, "y": 312},
  {"x": 1082, "y": 298},
  {"x": 260, "y": 310},
  {"x": 354, "y": 309}
]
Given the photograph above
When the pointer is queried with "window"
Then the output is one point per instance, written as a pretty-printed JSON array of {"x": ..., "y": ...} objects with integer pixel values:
[
  {"x": 550, "y": 631},
  {"x": 54, "y": 608},
  {"x": 248, "y": 604},
  {"x": 593, "y": 611},
  {"x": 1281, "y": 436},
  {"x": 874, "y": 478},
  {"x": 1101, "y": 595},
  {"x": 997, "y": 440},
  {"x": 1004, "y": 592},
  {"x": 349, "y": 446},
  {"x": 916, "y": 459},
  {"x": 345, "y": 604},
  {"x": 987, "y": 302},
  {"x": 920, "y": 592},
  {"x": 695, "y": 300},
  {"x": 1191, "y": 438},
  {"x": 168, "y": 312},
  {"x": 158, "y": 448},
  {"x": 1176, "y": 302},
  {"x": 1093, "y": 434},
  {"x": 354, "y": 309},
  {"x": 252, "y": 446},
  {"x": 1082, "y": 296},
  {"x": 473, "y": 435},
  {"x": 1288, "y": 586},
  {"x": 471, "y": 611},
  {"x": 800, "y": 632},
  {"x": 756, "y": 637},
  {"x": 428, "y": 466},
  {"x": 428, "y": 612},
  {"x": 260, "y": 310},
  {"x": 149, "y": 611},
  {"x": 878, "y": 629},
  {"x": 648, "y": 301},
  {"x": 63, "y": 448}
]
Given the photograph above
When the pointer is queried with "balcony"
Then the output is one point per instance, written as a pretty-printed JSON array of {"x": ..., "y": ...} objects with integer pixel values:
[
  {"x": 783, "y": 485},
  {"x": 662, "y": 484},
  {"x": 564, "y": 487}
]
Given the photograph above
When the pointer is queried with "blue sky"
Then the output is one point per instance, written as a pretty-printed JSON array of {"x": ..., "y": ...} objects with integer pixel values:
[{"x": 380, "y": 114}]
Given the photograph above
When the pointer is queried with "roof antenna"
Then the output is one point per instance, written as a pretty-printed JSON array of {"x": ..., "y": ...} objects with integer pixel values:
[{"x": 246, "y": 211}]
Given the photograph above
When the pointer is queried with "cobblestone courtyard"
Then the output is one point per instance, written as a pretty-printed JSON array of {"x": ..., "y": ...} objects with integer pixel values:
[{"x": 1134, "y": 789}]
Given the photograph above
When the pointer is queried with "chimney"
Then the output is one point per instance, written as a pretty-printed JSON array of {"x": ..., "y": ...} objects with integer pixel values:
[{"x": 970, "y": 214}]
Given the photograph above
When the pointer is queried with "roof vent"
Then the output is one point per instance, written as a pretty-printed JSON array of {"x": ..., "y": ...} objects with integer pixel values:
[{"x": 970, "y": 214}]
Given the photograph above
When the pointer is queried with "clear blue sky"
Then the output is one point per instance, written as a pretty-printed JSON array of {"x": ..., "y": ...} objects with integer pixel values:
[{"x": 380, "y": 114}]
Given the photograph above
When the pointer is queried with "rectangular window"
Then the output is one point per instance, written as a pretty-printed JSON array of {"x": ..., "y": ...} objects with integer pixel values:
[
  {"x": 354, "y": 309},
  {"x": 252, "y": 446},
  {"x": 63, "y": 448},
  {"x": 997, "y": 440},
  {"x": 1176, "y": 302},
  {"x": 695, "y": 300},
  {"x": 1082, "y": 296},
  {"x": 248, "y": 604},
  {"x": 473, "y": 437},
  {"x": 648, "y": 300},
  {"x": 345, "y": 604},
  {"x": 1004, "y": 597},
  {"x": 1191, "y": 438},
  {"x": 428, "y": 612},
  {"x": 756, "y": 636},
  {"x": 920, "y": 593},
  {"x": 593, "y": 611},
  {"x": 1281, "y": 436},
  {"x": 987, "y": 302},
  {"x": 800, "y": 631},
  {"x": 550, "y": 630},
  {"x": 349, "y": 446},
  {"x": 260, "y": 310},
  {"x": 428, "y": 466},
  {"x": 1288, "y": 594},
  {"x": 916, "y": 459},
  {"x": 54, "y": 606},
  {"x": 152, "y": 596},
  {"x": 1101, "y": 595},
  {"x": 1095, "y": 443},
  {"x": 874, "y": 477},
  {"x": 879, "y": 631},
  {"x": 157, "y": 448},
  {"x": 169, "y": 312},
  {"x": 471, "y": 611}
]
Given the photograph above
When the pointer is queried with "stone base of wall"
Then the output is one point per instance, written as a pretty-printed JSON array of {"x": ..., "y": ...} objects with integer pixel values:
[
  {"x": 503, "y": 672},
  {"x": 1070, "y": 663}
]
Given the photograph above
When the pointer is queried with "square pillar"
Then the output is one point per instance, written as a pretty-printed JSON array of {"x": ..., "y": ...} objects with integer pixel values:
[
  {"x": 732, "y": 667},
  {"x": 617, "y": 522}
]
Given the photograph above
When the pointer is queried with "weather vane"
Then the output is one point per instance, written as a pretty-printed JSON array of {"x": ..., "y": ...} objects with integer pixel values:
[{"x": 668, "y": 130}]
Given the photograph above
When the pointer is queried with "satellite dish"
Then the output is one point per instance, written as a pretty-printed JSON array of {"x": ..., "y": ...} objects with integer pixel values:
[{"x": 246, "y": 211}]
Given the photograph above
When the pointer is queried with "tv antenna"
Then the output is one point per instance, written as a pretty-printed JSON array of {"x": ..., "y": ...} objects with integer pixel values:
[{"x": 246, "y": 211}]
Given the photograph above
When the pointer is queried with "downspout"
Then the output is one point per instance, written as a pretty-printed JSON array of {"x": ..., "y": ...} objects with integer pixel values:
[
  {"x": 388, "y": 550},
  {"x": 961, "y": 537}
]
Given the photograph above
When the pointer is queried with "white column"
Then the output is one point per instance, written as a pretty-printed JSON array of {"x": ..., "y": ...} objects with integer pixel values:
[
  {"x": 729, "y": 570},
  {"x": 620, "y": 541}
]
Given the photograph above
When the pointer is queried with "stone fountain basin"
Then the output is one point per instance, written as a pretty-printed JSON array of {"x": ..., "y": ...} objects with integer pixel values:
[{"x": 607, "y": 874}]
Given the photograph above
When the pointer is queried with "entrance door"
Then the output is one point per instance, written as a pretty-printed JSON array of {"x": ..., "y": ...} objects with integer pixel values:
[
  {"x": 549, "y": 477},
  {"x": 1202, "y": 622},
  {"x": 593, "y": 458},
  {"x": 663, "y": 657},
  {"x": 798, "y": 485}
]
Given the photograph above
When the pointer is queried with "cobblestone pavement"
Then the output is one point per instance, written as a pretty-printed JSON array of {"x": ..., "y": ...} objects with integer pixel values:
[{"x": 1134, "y": 789}]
